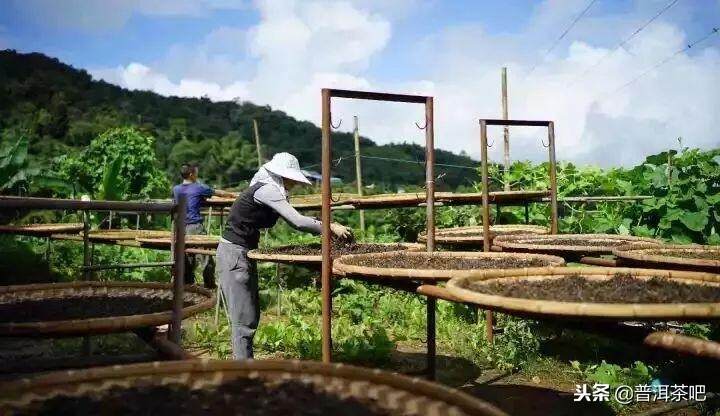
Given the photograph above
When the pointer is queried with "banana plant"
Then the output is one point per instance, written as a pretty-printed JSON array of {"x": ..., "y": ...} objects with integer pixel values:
[{"x": 16, "y": 173}]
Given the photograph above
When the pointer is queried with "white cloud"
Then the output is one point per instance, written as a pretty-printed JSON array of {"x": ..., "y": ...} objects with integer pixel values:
[
  {"x": 299, "y": 47},
  {"x": 137, "y": 76}
]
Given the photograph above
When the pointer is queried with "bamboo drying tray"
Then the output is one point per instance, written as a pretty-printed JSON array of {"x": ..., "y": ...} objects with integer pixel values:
[
  {"x": 404, "y": 395},
  {"x": 315, "y": 200},
  {"x": 652, "y": 257},
  {"x": 311, "y": 260},
  {"x": 117, "y": 235},
  {"x": 351, "y": 270},
  {"x": 493, "y": 196},
  {"x": 458, "y": 235},
  {"x": 200, "y": 298},
  {"x": 190, "y": 241},
  {"x": 533, "y": 244},
  {"x": 684, "y": 344},
  {"x": 309, "y": 201},
  {"x": 388, "y": 200},
  {"x": 40, "y": 230},
  {"x": 588, "y": 310}
]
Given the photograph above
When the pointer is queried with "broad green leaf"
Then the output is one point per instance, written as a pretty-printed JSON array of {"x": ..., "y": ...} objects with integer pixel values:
[
  {"x": 679, "y": 238},
  {"x": 695, "y": 221}
]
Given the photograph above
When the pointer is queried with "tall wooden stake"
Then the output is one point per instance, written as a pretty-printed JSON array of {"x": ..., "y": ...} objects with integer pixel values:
[
  {"x": 257, "y": 143},
  {"x": 506, "y": 131},
  {"x": 358, "y": 171}
]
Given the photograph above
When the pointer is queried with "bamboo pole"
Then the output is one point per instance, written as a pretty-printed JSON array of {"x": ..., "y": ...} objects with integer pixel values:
[
  {"x": 257, "y": 143},
  {"x": 358, "y": 171}
]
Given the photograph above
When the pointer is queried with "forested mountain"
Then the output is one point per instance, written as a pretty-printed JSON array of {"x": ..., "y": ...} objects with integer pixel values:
[{"x": 61, "y": 109}]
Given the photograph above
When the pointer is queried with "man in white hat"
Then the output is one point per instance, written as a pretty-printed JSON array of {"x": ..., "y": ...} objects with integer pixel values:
[{"x": 258, "y": 207}]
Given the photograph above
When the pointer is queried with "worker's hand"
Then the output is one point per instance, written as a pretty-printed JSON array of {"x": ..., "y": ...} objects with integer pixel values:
[{"x": 341, "y": 231}]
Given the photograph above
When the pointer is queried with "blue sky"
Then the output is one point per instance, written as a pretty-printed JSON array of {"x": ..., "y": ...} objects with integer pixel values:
[{"x": 281, "y": 52}]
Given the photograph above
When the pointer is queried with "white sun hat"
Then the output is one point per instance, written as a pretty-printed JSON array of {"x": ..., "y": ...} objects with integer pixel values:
[{"x": 286, "y": 165}]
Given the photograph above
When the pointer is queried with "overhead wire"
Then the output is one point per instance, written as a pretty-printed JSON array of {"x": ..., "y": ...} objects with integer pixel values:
[
  {"x": 625, "y": 41},
  {"x": 562, "y": 36},
  {"x": 712, "y": 32}
]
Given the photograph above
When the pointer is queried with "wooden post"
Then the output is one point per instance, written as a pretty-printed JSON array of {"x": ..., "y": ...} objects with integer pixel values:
[
  {"x": 257, "y": 143},
  {"x": 506, "y": 132},
  {"x": 358, "y": 171},
  {"x": 178, "y": 257},
  {"x": 485, "y": 214},
  {"x": 86, "y": 245}
]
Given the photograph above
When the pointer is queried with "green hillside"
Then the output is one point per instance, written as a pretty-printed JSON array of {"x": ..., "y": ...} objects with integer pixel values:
[{"x": 61, "y": 109}]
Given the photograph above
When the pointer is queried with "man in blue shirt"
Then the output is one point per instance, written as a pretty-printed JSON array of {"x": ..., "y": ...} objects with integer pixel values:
[{"x": 196, "y": 193}]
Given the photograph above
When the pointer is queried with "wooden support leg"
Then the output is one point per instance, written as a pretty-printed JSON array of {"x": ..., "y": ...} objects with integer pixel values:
[
  {"x": 431, "y": 346},
  {"x": 489, "y": 327},
  {"x": 218, "y": 295},
  {"x": 47, "y": 251},
  {"x": 87, "y": 346},
  {"x": 279, "y": 288},
  {"x": 527, "y": 213}
]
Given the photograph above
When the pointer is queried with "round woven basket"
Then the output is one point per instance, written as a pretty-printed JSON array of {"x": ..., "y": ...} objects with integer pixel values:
[
  {"x": 199, "y": 298},
  {"x": 588, "y": 310},
  {"x": 312, "y": 260},
  {"x": 660, "y": 258},
  {"x": 351, "y": 270},
  {"x": 190, "y": 241},
  {"x": 571, "y": 252},
  {"x": 41, "y": 230},
  {"x": 395, "y": 393},
  {"x": 473, "y": 236},
  {"x": 118, "y": 235}
]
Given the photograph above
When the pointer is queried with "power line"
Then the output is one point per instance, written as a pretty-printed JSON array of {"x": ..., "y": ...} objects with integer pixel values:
[
  {"x": 661, "y": 63},
  {"x": 626, "y": 40},
  {"x": 562, "y": 36}
]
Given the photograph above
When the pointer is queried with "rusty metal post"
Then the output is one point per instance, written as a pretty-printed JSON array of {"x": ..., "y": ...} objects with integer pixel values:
[
  {"x": 506, "y": 132},
  {"x": 178, "y": 257},
  {"x": 485, "y": 186},
  {"x": 86, "y": 245},
  {"x": 485, "y": 214},
  {"x": 358, "y": 170},
  {"x": 430, "y": 214},
  {"x": 553, "y": 179},
  {"x": 326, "y": 217}
]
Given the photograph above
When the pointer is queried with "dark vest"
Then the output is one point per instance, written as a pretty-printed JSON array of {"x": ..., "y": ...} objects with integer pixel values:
[{"x": 246, "y": 219}]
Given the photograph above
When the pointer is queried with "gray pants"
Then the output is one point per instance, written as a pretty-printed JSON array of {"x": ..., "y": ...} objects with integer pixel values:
[
  {"x": 239, "y": 283},
  {"x": 206, "y": 263}
]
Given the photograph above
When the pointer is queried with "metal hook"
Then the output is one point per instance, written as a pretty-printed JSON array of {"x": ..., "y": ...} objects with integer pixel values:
[
  {"x": 491, "y": 144},
  {"x": 543, "y": 143},
  {"x": 423, "y": 127},
  {"x": 338, "y": 125}
]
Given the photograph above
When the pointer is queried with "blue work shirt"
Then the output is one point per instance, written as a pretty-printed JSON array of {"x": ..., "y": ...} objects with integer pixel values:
[{"x": 196, "y": 194}]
